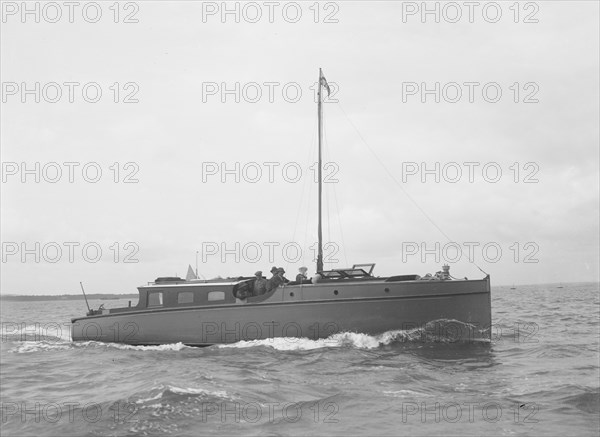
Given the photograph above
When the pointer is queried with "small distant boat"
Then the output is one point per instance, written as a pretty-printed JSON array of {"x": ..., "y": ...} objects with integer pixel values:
[{"x": 205, "y": 312}]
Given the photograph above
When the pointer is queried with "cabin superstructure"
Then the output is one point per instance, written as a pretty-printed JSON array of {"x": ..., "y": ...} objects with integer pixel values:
[{"x": 175, "y": 292}]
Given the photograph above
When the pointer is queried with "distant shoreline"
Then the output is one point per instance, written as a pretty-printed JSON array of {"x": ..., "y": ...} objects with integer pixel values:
[
  {"x": 114, "y": 296},
  {"x": 93, "y": 296}
]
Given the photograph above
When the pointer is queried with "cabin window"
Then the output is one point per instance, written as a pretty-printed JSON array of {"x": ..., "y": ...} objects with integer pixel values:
[
  {"x": 216, "y": 295},
  {"x": 155, "y": 298},
  {"x": 185, "y": 297}
]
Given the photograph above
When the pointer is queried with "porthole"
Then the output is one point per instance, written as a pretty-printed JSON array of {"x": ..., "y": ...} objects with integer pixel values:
[
  {"x": 335, "y": 292},
  {"x": 292, "y": 294},
  {"x": 387, "y": 290}
]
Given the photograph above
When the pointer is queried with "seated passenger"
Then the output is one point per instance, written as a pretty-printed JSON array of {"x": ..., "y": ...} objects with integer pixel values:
[
  {"x": 243, "y": 291},
  {"x": 275, "y": 280},
  {"x": 301, "y": 277},
  {"x": 280, "y": 273},
  {"x": 260, "y": 284}
]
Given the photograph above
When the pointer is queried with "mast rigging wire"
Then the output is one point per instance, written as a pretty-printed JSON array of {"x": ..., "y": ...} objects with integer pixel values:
[{"x": 414, "y": 202}]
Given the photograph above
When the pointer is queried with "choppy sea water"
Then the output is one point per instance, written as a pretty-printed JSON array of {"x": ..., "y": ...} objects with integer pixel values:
[{"x": 540, "y": 375}]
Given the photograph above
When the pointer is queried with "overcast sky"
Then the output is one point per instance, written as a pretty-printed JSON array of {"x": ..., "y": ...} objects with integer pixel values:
[{"x": 172, "y": 66}]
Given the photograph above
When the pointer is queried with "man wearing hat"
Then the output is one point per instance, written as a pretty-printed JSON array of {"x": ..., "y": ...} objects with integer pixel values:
[
  {"x": 275, "y": 280},
  {"x": 280, "y": 273},
  {"x": 301, "y": 277},
  {"x": 260, "y": 284}
]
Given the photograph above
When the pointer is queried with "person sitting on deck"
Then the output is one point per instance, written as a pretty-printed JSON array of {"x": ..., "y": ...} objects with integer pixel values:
[
  {"x": 301, "y": 277},
  {"x": 260, "y": 284},
  {"x": 280, "y": 273},
  {"x": 275, "y": 280},
  {"x": 243, "y": 291}
]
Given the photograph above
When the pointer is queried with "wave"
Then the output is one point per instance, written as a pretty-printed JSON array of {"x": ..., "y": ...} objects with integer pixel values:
[
  {"x": 168, "y": 392},
  {"x": 403, "y": 393},
  {"x": 39, "y": 346},
  {"x": 342, "y": 339},
  {"x": 588, "y": 401},
  {"x": 428, "y": 334},
  {"x": 158, "y": 347},
  {"x": 438, "y": 331},
  {"x": 60, "y": 345}
]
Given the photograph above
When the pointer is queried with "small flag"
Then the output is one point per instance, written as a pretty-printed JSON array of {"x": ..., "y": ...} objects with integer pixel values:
[
  {"x": 190, "y": 274},
  {"x": 325, "y": 84}
]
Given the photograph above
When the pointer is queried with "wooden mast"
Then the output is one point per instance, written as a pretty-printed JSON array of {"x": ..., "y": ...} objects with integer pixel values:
[{"x": 320, "y": 231}]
